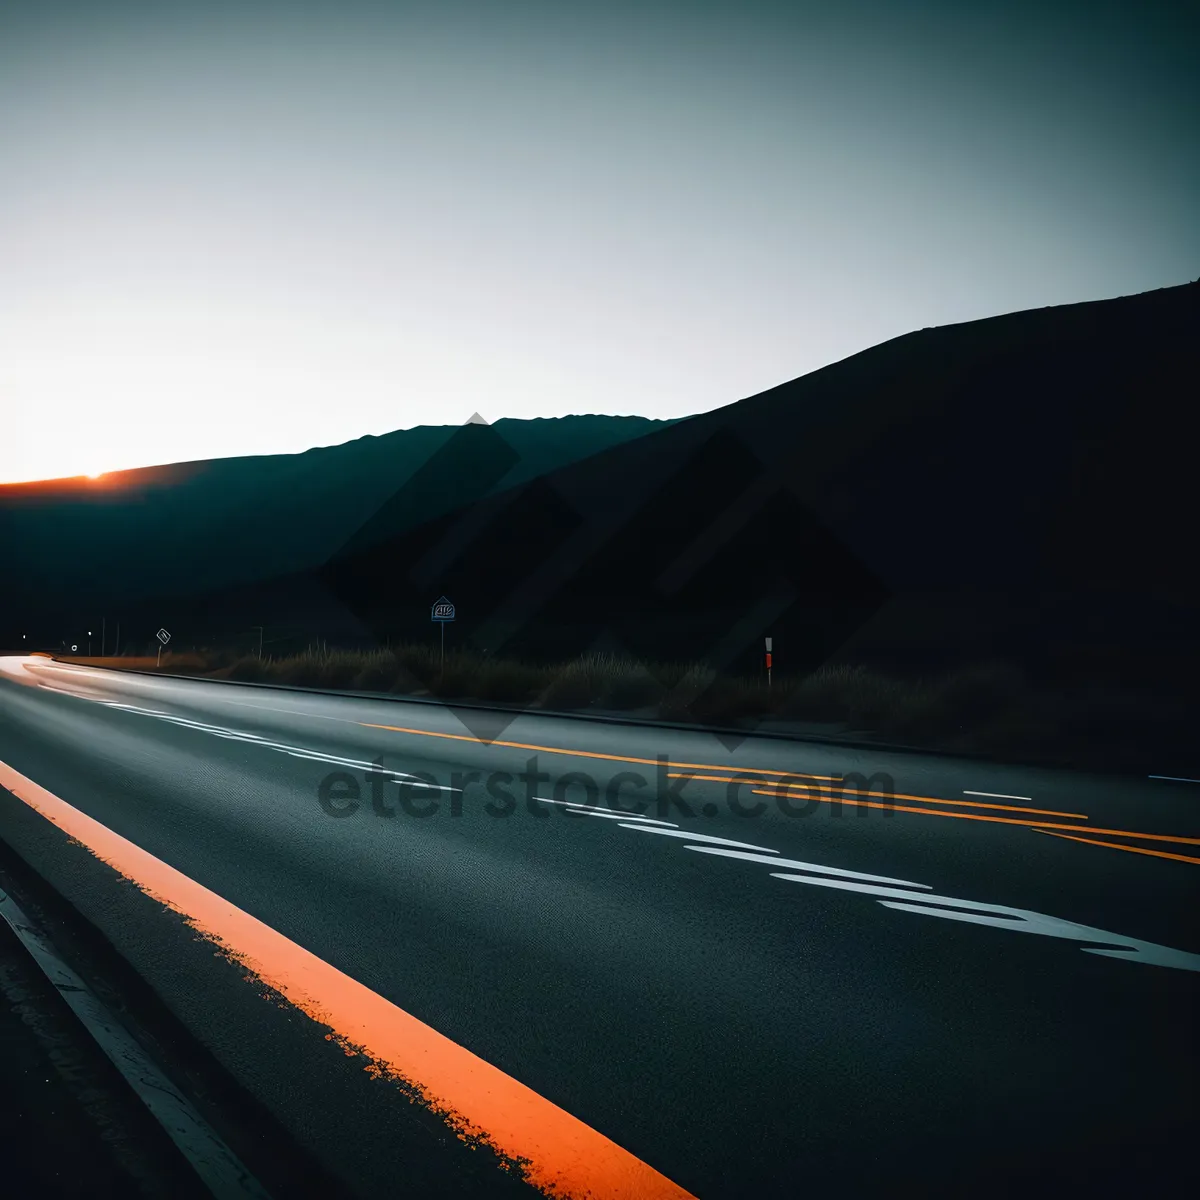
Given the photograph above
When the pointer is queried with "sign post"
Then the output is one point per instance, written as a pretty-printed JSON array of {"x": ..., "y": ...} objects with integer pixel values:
[
  {"x": 163, "y": 638},
  {"x": 442, "y": 613},
  {"x": 768, "y": 641}
]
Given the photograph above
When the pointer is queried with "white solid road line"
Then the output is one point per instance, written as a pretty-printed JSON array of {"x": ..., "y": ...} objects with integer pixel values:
[
  {"x": 261, "y": 740},
  {"x": 613, "y": 813},
  {"x": 614, "y": 816},
  {"x": 403, "y": 778},
  {"x": 1019, "y": 920},
  {"x": 816, "y": 868},
  {"x": 700, "y": 837},
  {"x": 1174, "y": 778},
  {"x": 996, "y": 795}
]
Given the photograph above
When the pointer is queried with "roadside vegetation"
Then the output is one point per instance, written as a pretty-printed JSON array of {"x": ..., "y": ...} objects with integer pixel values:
[{"x": 988, "y": 708}]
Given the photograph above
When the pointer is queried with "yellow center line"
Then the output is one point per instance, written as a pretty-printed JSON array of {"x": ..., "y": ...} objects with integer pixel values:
[
  {"x": 1117, "y": 846},
  {"x": 1046, "y": 812},
  {"x": 933, "y": 812},
  {"x": 742, "y": 773},
  {"x": 653, "y": 762},
  {"x": 650, "y": 762}
]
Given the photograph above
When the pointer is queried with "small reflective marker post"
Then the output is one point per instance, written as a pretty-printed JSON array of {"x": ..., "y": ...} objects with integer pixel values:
[{"x": 768, "y": 641}]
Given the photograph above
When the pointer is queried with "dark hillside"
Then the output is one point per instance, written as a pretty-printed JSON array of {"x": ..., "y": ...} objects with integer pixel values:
[
  {"x": 1012, "y": 495},
  {"x": 78, "y": 548},
  {"x": 1018, "y": 485}
]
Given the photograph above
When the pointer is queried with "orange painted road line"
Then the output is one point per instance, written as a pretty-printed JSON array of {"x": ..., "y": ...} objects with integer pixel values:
[
  {"x": 929, "y": 812},
  {"x": 565, "y": 1157},
  {"x": 651, "y": 762},
  {"x": 1046, "y": 812},
  {"x": 743, "y": 777},
  {"x": 933, "y": 812},
  {"x": 1117, "y": 846}
]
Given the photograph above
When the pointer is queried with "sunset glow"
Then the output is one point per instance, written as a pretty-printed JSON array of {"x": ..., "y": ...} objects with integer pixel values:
[{"x": 218, "y": 258}]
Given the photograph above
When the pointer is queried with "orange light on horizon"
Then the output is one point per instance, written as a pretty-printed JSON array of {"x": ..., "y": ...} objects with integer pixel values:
[
  {"x": 59, "y": 481},
  {"x": 103, "y": 482}
]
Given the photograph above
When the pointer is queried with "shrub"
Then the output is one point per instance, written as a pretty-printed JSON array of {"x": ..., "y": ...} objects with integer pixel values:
[
  {"x": 249, "y": 668},
  {"x": 956, "y": 704},
  {"x": 184, "y": 663},
  {"x": 377, "y": 672},
  {"x": 456, "y": 679},
  {"x": 628, "y": 684},
  {"x": 416, "y": 667},
  {"x": 578, "y": 683},
  {"x": 854, "y": 695},
  {"x": 507, "y": 681},
  {"x": 732, "y": 700},
  {"x": 687, "y": 694}
]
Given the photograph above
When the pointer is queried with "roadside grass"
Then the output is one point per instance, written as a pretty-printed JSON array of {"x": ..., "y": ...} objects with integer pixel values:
[
  {"x": 854, "y": 696},
  {"x": 186, "y": 662},
  {"x": 989, "y": 708}
]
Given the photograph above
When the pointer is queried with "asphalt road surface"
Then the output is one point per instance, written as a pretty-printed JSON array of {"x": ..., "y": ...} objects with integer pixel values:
[{"x": 399, "y": 928}]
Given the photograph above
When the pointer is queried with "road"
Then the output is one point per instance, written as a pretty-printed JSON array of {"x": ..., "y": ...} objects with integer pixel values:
[{"x": 394, "y": 922}]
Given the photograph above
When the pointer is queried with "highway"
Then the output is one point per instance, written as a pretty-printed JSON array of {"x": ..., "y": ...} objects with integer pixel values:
[{"x": 457, "y": 953}]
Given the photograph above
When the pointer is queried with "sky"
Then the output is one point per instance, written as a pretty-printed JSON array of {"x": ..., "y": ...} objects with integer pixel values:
[{"x": 232, "y": 229}]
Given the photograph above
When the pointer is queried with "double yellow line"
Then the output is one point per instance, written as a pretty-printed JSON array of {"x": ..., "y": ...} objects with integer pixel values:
[{"x": 820, "y": 790}]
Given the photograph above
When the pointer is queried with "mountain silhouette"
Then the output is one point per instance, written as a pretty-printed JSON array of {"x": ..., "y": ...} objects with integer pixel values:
[
  {"x": 1011, "y": 487},
  {"x": 1008, "y": 487},
  {"x": 80, "y": 547}
]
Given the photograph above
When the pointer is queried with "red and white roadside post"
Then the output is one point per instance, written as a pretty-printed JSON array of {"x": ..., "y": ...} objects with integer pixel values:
[{"x": 768, "y": 641}]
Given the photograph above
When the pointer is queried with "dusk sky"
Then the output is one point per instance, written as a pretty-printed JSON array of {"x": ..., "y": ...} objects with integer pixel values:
[{"x": 254, "y": 228}]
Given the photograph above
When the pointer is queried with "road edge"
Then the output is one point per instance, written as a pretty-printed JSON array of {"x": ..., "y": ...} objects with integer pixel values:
[
  {"x": 217, "y": 1166},
  {"x": 850, "y": 743}
]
